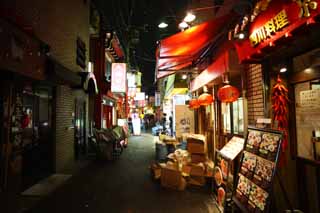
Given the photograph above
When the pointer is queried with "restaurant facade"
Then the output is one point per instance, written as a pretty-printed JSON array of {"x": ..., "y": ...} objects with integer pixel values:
[{"x": 268, "y": 79}]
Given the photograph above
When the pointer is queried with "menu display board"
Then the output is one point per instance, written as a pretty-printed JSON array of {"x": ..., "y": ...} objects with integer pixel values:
[
  {"x": 220, "y": 183},
  {"x": 257, "y": 169},
  {"x": 233, "y": 147}
]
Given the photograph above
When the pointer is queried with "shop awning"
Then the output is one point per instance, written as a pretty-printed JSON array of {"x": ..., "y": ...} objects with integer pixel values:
[
  {"x": 90, "y": 80},
  {"x": 181, "y": 50},
  {"x": 217, "y": 68}
]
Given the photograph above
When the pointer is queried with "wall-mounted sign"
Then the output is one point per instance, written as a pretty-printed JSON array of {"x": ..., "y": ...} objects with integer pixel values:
[
  {"x": 272, "y": 26},
  {"x": 310, "y": 98},
  {"x": 118, "y": 77},
  {"x": 278, "y": 20},
  {"x": 157, "y": 99}
]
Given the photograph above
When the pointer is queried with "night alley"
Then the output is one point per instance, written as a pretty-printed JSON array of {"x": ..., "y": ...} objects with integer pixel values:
[{"x": 124, "y": 185}]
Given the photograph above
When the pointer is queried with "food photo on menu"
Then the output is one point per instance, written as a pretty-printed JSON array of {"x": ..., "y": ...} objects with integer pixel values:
[
  {"x": 243, "y": 187},
  {"x": 248, "y": 164},
  {"x": 258, "y": 196},
  {"x": 219, "y": 188},
  {"x": 263, "y": 172},
  {"x": 269, "y": 145},
  {"x": 253, "y": 141}
]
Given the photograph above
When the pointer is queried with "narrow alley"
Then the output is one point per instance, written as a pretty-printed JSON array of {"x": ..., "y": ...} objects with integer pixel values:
[{"x": 123, "y": 186}]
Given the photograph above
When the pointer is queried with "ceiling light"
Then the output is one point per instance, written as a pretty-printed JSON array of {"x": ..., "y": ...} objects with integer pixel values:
[
  {"x": 163, "y": 25},
  {"x": 184, "y": 76},
  {"x": 189, "y": 17},
  {"x": 283, "y": 69},
  {"x": 183, "y": 25},
  {"x": 241, "y": 36}
]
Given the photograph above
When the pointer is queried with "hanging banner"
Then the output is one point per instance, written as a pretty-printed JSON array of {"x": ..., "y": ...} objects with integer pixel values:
[
  {"x": 118, "y": 77},
  {"x": 157, "y": 99}
]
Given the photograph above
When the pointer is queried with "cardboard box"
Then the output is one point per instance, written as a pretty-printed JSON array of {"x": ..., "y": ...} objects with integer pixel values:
[
  {"x": 197, "y": 181},
  {"x": 196, "y": 144},
  {"x": 198, "y": 158},
  {"x": 186, "y": 169},
  {"x": 209, "y": 168},
  {"x": 155, "y": 171},
  {"x": 197, "y": 169},
  {"x": 172, "y": 178}
]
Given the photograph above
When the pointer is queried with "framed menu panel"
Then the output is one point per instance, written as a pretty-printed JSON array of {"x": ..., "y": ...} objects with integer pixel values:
[
  {"x": 257, "y": 169},
  {"x": 221, "y": 191}
]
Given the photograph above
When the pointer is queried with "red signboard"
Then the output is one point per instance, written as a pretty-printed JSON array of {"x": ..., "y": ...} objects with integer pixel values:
[
  {"x": 277, "y": 21},
  {"x": 119, "y": 77}
]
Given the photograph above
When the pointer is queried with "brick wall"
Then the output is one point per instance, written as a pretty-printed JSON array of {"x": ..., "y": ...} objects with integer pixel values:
[
  {"x": 65, "y": 103},
  {"x": 254, "y": 92},
  {"x": 57, "y": 23}
]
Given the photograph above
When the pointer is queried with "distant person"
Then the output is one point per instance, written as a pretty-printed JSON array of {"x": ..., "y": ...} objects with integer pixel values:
[{"x": 130, "y": 125}]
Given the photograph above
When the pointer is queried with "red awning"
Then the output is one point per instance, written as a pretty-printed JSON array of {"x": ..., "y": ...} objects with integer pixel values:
[
  {"x": 217, "y": 68},
  {"x": 182, "y": 49}
]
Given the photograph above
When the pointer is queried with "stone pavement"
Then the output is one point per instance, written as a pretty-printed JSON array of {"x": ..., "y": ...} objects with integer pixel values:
[{"x": 125, "y": 186}]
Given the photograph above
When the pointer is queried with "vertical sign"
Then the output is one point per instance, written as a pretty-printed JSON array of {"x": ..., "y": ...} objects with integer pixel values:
[
  {"x": 118, "y": 77},
  {"x": 157, "y": 99}
]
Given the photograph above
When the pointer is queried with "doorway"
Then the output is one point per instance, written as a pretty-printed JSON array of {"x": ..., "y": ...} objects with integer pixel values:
[{"x": 80, "y": 145}]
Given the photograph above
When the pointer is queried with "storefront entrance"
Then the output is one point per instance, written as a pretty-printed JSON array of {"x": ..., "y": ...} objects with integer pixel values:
[
  {"x": 305, "y": 82},
  {"x": 37, "y": 135},
  {"x": 80, "y": 129}
]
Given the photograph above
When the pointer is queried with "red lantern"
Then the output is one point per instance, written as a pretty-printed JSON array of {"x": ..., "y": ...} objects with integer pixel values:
[
  {"x": 194, "y": 104},
  {"x": 205, "y": 99},
  {"x": 228, "y": 94}
]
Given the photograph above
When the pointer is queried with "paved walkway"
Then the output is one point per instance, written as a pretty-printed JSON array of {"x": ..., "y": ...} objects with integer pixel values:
[{"x": 123, "y": 186}]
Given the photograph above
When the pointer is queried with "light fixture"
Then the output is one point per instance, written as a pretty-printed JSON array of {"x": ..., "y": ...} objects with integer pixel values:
[
  {"x": 241, "y": 35},
  {"x": 183, "y": 25},
  {"x": 189, "y": 17},
  {"x": 163, "y": 25},
  {"x": 184, "y": 76},
  {"x": 283, "y": 69}
]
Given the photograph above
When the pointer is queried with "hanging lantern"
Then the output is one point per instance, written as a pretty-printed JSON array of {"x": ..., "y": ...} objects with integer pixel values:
[
  {"x": 205, "y": 98},
  {"x": 194, "y": 104},
  {"x": 228, "y": 94}
]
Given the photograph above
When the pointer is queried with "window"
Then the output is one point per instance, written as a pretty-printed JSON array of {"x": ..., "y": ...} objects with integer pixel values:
[{"x": 232, "y": 115}]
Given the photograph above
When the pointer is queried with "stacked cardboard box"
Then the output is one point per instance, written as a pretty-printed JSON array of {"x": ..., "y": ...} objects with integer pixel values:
[{"x": 186, "y": 167}]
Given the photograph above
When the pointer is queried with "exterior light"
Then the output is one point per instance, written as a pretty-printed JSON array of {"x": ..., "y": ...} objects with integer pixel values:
[
  {"x": 241, "y": 36},
  {"x": 163, "y": 25},
  {"x": 183, "y": 25},
  {"x": 283, "y": 69},
  {"x": 184, "y": 76},
  {"x": 189, "y": 17}
]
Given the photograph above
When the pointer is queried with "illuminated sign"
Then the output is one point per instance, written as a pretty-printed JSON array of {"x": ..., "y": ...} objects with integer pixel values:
[
  {"x": 118, "y": 77},
  {"x": 140, "y": 96},
  {"x": 269, "y": 28}
]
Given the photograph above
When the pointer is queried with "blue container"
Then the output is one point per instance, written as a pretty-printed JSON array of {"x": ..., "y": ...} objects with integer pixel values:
[{"x": 182, "y": 145}]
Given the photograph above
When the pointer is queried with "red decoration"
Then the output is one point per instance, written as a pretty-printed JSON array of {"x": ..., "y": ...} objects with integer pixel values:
[
  {"x": 228, "y": 94},
  {"x": 280, "y": 109},
  {"x": 194, "y": 104},
  {"x": 205, "y": 99}
]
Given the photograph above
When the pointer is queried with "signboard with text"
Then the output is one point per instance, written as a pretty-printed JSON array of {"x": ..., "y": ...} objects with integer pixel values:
[
  {"x": 276, "y": 21},
  {"x": 118, "y": 77}
]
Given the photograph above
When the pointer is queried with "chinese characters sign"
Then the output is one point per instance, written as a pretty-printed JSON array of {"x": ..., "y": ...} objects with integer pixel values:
[
  {"x": 310, "y": 98},
  {"x": 279, "y": 20},
  {"x": 118, "y": 77},
  {"x": 272, "y": 26}
]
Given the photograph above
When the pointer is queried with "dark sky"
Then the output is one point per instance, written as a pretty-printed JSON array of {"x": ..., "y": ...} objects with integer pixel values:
[{"x": 136, "y": 23}]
